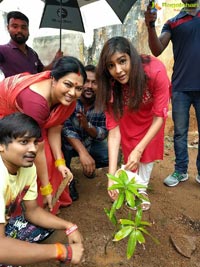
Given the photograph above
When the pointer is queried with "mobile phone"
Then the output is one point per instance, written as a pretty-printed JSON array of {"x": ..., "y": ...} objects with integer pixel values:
[{"x": 153, "y": 9}]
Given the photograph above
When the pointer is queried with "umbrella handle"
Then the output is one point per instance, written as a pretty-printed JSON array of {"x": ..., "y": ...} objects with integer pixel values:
[
  {"x": 61, "y": 188},
  {"x": 60, "y": 44}
]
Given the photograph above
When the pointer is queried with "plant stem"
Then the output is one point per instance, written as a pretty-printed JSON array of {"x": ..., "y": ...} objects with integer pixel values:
[{"x": 106, "y": 245}]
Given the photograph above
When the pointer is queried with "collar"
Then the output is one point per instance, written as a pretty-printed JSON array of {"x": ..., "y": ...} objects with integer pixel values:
[
  {"x": 184, "y": 13},
  {"x": 14, "y": 45}
]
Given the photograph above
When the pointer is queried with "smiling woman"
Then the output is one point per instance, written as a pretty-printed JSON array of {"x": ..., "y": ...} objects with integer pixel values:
[{"x": 49, "y": 98}]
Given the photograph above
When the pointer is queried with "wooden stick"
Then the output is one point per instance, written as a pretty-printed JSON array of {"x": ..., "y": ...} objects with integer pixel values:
[{"x": 61, "y": 188}]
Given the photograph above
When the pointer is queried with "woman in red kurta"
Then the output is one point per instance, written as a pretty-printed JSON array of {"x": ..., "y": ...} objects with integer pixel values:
[
  {"x": 50, "y": 98},
  {"x": 133, "y": 89}
]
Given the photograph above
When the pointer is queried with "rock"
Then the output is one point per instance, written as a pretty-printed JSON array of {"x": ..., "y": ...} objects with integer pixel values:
[{"x": 184, "y": 244}]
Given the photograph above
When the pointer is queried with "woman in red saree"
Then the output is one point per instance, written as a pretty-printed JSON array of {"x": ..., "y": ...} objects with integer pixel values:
[{"x": 49, "y": 97}]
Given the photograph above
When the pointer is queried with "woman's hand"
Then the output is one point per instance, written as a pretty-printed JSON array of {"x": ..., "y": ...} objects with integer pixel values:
[
  {"x": 113, "y": 194},
  {"x": 133, "y": 160},
  {"x": 65, "y": 172}
]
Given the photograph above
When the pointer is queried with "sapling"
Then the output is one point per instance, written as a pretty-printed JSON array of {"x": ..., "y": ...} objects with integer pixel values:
[{"x": 131, "y": 227}]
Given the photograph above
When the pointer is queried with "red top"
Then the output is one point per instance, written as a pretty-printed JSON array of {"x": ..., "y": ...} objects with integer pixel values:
[
  {"x": 135, "y": 124},
  {"x": 34, "y": 105}
]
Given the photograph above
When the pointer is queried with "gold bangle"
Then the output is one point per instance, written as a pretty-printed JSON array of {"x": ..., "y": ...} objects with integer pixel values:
[
  {"x": 59, "y": 162},
  {"x": 46, "y": 190}
]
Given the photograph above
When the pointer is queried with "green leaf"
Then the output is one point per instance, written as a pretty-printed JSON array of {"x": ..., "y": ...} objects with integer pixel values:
[
  {"x": 107, "y": 211},
  {"x": 120, "y": 200},
  {"x": 124, "y": 232},
  {"x": 113, "y": 208},
  {"x": 138, "y": 216},
  {"x": 134, "y": 183},
  {"x": 131, "y": 189},
  {"x": 116, "y": 179},
  {"x": 112, "y": 218},
  {"x": 155, "y": 240},
  {"x": 127, "y": 222},
  {"x": 145, "y": 223},
  {"x": 134, "y": 188},
  {"x": 130, "y": 198},
  {"x": 132, "y": 242},
  {"x": 137, "y": 203},
  {"x": 140, "y": 237},
  {"x": 147, "y": 233},
  {"x": 123, "y": 176},
  {"x": 116, "y": 186},
  {"x": 142, "y": 229},
  {"x": 132, "y": 180}
]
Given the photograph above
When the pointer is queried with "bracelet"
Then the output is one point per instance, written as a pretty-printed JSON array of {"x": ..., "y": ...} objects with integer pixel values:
[
  {"x": 60, "y": 252},
  {"x": 69, "y": 253},
  {"x": 46, "y": 190},
  {"x": 59, "y": 162},
  {"x": 71, "y": 229}
]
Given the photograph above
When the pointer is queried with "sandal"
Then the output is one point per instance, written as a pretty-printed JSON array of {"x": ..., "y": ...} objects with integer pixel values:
[{"x": 145, "y": 205}]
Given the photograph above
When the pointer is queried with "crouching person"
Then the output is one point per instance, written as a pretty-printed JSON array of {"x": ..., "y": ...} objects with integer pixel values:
[{"x": 21, "y": 236}]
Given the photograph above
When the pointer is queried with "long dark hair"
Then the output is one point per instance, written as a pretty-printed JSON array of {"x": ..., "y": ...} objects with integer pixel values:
[{"x": 108, "y": 87}]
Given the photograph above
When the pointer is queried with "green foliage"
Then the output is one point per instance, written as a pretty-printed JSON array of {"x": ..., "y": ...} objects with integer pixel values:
[{"x": 132, "y": 228}]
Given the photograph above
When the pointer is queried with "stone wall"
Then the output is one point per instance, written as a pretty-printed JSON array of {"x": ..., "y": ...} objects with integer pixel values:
[{"x": 71, "y": 44}]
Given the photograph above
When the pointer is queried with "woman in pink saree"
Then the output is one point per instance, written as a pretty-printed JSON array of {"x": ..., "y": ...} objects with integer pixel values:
[{"x": 48, "y": 97}]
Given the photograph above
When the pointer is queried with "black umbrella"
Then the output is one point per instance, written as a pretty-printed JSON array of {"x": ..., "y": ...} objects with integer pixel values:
[{"x": 74, "y": 14}]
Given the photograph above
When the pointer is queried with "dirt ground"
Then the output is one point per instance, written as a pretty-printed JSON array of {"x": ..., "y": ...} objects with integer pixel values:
[{"x": 175, "y": 215}]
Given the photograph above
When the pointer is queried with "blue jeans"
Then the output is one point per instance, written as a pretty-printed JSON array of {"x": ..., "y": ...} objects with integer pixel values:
[
  {"x": 98, "y": 151},
  {"x": 181, "y": 103}
]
